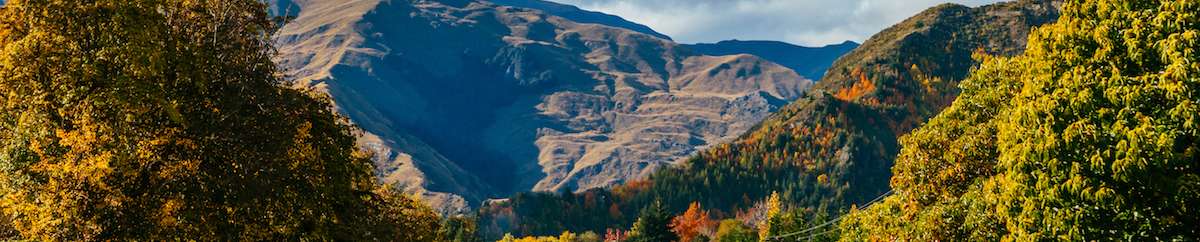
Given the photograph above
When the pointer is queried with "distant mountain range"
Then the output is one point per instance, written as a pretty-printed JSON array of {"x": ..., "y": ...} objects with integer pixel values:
[
  {"x": 463, "y": 101},
  {"x": 580, "y": 16},
  {"x": 810, "y": 62}
]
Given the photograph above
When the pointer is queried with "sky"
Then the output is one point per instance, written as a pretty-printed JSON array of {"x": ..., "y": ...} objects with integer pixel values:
[{"x": 802, "y": 22}]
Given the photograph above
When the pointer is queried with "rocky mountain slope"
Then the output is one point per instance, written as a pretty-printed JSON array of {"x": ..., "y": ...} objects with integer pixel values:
[
  {"x": 810, "y": 62},
  {"x": 463, "y": 101},
  {"x": 823, "y": 153}
]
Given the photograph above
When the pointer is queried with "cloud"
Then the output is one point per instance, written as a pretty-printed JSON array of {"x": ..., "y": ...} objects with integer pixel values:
[{"x": 804, "y": 22}]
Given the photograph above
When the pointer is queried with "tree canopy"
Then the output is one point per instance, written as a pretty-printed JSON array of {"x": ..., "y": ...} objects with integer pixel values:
[
  {"x": 166, "y": 119},
  {"x": 1089, "y": 135},
  {"x": 653, "y": 224}
]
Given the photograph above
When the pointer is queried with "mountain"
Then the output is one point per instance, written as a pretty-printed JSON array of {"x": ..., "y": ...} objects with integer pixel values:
[
  {"x": 577, "y": 15},
  {"x": 282, "y": 7},
  {"x": 810, "y": 62},
  {"x": 825, "y": 152},
  {"x": 1087, "y": 135},
  {"x": 462, "y": 101}
]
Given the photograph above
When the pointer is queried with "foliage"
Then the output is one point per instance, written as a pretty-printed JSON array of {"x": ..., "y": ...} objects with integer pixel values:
[
  {"x": 653, "y": 225},
  {"x": 693, "y": 224},
  {"x": 774, "y": 207},
  {"x": 166, "y": 120},
  {"x": 781, "y": 220},
  {"x": 826, "y": 152},
  {"x": 458, "y": 229},
  {"x": 932, "y": 174},
  {"x": 1097, "y": 141},
  {"x": 564, "y": 237},
  {"x": 731, "y": 230}
]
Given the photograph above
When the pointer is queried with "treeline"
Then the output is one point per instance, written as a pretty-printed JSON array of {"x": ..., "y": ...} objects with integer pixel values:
[
  {"x": 654, "y": 223},
  {"x": 167, "y": 120}
]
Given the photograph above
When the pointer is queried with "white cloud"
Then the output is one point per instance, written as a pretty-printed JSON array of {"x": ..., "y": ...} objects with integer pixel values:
[{"x": 804, "y": 22}]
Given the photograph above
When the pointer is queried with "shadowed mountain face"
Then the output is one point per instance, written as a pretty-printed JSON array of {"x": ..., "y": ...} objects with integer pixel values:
[
  {"x": 463, "y": 101},
  {"x": 580, "y": 16},
  {"x": 281, "y": 7},
  {"x": 810, "y": 62}
]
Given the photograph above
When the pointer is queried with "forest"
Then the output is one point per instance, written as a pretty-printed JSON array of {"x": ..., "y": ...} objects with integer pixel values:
[
  {"x": 168, "y": 120},
  {"x": 1088, "y": 134}
]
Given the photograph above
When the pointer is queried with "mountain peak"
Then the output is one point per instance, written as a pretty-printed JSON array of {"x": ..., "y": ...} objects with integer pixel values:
[{"x": 810, "y": 62}]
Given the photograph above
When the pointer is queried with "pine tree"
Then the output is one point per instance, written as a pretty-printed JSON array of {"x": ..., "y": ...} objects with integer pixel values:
[
  {"x": 653, "y": 225},
  {"x": 166, "y": 120}
]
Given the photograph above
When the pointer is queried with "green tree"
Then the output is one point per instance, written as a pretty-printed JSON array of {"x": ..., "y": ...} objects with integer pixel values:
[
  {"x": 732, "y": 230},
  {"x": 1089, "y": 135},
  {"x": 1106, "y": 145},
  {"x": 166, "y": 120},
  {"x": 459, "y": 229},
  {"x": 653, "y": 225}
]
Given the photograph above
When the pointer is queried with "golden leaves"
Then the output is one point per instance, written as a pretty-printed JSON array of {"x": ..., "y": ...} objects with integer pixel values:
[
  {"x": 1086, "y": 135},
  {"x": 115, "y": 106}
]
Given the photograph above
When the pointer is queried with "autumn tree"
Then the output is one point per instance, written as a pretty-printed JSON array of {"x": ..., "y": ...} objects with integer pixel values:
[
  {"x": 1107, "y": 144},
  {"x": 774, "y": 207},
  {"x": 166, "y": 120},
  {"x": 693, "y": 223},
  {"x": 1090, "y": 135}
]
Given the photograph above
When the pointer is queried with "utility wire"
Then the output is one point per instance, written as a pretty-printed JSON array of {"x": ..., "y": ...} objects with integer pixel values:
[{"x": 835, "y": 220}]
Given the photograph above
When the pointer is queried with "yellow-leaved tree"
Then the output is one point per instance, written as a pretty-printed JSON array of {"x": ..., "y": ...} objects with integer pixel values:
[
  {"x": 1093, "y": 134},
  {"x": 165, "y": 120}
]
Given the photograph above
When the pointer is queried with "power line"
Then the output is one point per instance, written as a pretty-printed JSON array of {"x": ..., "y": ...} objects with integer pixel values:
[
  {"x": 835, "y": 220},
  {"x": 812, "y": 236}
]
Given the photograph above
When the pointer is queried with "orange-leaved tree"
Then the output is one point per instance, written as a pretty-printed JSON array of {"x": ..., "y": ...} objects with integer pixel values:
[{"x": 693, "y": 223}]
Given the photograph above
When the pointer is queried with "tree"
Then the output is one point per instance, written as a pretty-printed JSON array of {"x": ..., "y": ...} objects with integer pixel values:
[
  {"x": 692, "y": 224},
  {"x": 732, "y": 230},
  {"x": 166, "y": 120},
  {"x": 653, "y": 225},
  {"x": 566, "y": 236},
  {"x": 1105, "y": 145},
  {"x": 774, "y": 207},
  {"x": 1090, "y": 135},
  {"x": 459, "y": 229}
]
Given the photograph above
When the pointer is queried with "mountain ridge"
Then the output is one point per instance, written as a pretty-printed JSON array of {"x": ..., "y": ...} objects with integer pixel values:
[
  {"x": 810, "y": 62},
  {"x": 578, "y": 15},
  {"x": 491, "y": 99}
]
